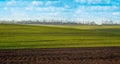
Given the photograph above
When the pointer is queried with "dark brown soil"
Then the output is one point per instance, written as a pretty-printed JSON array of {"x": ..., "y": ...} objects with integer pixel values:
[{"x": 95, "y": 55}]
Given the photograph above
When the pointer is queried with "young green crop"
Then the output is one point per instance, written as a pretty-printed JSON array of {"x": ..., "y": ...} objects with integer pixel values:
[{"x": 29, "y": 36}]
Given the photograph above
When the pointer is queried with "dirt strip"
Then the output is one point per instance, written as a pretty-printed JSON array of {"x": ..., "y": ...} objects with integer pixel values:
[{"x": 85, "y": 55}]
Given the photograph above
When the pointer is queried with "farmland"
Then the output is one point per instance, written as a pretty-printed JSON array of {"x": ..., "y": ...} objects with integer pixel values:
[
  {"x": 59, "y": 44},
  {"x": 94, "y": 55},
  {"x": 44, "y": 36}
]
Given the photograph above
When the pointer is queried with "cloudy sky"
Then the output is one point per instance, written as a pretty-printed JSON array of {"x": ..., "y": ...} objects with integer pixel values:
[{"x": 89, "y": 10}]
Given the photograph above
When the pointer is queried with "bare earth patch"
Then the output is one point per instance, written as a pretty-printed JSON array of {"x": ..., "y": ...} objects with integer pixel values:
[{"x": 88, "y": 55}]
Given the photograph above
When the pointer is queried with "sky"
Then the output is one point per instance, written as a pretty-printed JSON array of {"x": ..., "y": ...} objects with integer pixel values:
[{"x": 77, "y": 10}]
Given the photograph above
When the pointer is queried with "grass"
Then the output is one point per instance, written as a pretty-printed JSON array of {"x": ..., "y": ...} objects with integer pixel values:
[{"x": 57, "y": 36}]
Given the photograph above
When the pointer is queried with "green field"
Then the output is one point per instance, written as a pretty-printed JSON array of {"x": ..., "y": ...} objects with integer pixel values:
[{"x": 57, "y": 36}]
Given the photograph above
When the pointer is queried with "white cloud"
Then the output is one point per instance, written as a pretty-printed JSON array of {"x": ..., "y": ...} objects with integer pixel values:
[
  {"x": 81, "y": 1},
  {"x": 48, "y": 3},
  {"x": 108, "y": 1},
  {"x": 104, "y": 8},
  {"x": 80, "y": 10},
  {"x": 16, "y": 13},
  {"x": 49, "y": 9},
  {"x": 33, "y": 5},
  {"x": 37, "y": 3},
  {"x": 29, "y": 8},
  {"x": 45, "y": 9},
  {"x": 5, "y": 8},
  {"x": 83, "y": 12},
  {"x": 116, "y": 13},
  {"x": 93, "y": 1},
  {"x": 66, "y": 6},
  {"x": 12, "y": 2},
  {"x": 99, "y": 7},
  {"x": 96, "y": 8},
  {"x": 56, "y": 13},
  {"x": 52, "y": 14},
  {"x": 51, "y": 2}
]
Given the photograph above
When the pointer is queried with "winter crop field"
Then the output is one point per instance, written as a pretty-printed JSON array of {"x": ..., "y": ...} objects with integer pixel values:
[{"x": 14, "y": 36}]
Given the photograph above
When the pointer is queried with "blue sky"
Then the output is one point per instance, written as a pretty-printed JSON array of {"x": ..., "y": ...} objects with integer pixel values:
[{"x": 88, "y": 10}]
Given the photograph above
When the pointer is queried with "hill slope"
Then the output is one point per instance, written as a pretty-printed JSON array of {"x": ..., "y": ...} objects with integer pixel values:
[{"x": 27, "y": 36}]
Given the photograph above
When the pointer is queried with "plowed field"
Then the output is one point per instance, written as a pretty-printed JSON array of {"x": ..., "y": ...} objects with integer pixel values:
[{"x": 93, "y": 55}]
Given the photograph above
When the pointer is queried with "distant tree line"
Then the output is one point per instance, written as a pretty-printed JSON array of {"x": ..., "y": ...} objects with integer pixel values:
[
  {"x": 109, "y": 23},
  {"x": 59, "y": 22}
]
